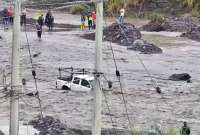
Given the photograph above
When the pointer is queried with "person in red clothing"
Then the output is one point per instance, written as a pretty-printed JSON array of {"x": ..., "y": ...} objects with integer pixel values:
[
  {"x": 94, "y": 20},
  {"x": 10, "y": 14}
]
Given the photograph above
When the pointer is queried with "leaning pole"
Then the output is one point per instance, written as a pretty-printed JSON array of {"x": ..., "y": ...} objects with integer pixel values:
[
  {"x": 96, "y": 129},
  {"x": 15, "y": 77}
]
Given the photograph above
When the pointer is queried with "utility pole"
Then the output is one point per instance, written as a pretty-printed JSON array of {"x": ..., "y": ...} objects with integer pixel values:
[
  {"x": 15, "y": 78},
  {"x": 96, "y": 129}
]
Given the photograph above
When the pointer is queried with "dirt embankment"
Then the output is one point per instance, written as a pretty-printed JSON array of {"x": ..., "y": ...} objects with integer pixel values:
[
  {"x": 58, "y": 27},
  {"x": 189, "y": 25}
]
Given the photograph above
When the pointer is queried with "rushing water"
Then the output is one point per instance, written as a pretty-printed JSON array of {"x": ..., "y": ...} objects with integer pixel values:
[{"x": 179, "y": 101}]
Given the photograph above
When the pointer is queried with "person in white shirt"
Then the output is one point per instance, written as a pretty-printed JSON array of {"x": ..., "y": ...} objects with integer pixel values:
[{"x": 121, "y": 18}]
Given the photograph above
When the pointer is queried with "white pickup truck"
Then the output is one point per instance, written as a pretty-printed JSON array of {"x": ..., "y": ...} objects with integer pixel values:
[{"x": 76, "y": 83}]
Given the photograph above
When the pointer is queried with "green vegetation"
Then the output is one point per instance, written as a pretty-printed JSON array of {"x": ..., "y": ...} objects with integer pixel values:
[
  {"x": 136, "y": 6},
  {"x": 156, "y": 18},
  {"x": 78, "y": 9},
  {"x": 193, "y": 5},
  {"x": 169, "y": 132},
  {"x": 115, "y": 5}
]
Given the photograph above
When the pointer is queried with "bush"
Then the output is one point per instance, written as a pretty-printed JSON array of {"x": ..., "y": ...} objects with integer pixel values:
[
  {"x": 78, "y": 9},
  {"x": 156, "y": 18}
]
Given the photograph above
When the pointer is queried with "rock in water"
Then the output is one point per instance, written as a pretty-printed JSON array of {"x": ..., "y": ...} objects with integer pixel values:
[
  {"x": 180, "y": 77},
  {"x": 144, "y": 47},
  {"x": 36, "y": 55}
]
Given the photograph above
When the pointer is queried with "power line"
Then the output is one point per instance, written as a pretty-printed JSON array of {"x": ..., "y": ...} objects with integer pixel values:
[
  {"x": 118, "y": 77},
  {"x": 34, "y": 74}
]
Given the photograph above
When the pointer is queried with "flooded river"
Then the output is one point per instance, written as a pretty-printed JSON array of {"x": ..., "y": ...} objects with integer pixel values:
[{"x": 178, "y": 102}]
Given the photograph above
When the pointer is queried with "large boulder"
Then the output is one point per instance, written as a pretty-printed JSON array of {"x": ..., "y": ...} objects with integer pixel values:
[
  {"x": 144, "y": 47},
  {"x": 180, "y": 77}
]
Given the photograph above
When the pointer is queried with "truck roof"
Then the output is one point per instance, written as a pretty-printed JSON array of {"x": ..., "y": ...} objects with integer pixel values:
[{"x": 86, "y": 77}]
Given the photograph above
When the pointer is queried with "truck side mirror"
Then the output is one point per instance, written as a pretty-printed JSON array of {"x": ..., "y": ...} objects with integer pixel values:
[{"x": 110, "y": 84}]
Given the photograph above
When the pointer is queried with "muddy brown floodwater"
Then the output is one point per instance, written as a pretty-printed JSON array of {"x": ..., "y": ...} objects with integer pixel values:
[{"x": 178, "y": 102}]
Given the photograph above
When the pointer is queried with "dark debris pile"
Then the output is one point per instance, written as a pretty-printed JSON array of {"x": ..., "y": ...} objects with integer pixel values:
[
  {"x": 126, "y": 34},
  {"x": 49, "y": 126},
  {"x": 144, "y": 47},
  {"x": 123, "y": 34},
  {"x": 180, "y": 24}
]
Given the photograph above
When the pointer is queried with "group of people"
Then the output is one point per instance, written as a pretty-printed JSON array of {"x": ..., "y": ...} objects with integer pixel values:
[
  {"x": 8, "y": 15},
  {"x": 91, "y": 20},
  {"x": 48, "y": 21}
]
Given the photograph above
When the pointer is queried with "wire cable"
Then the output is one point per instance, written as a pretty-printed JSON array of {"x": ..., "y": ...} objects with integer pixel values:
[{"x": 34, "y": 74}]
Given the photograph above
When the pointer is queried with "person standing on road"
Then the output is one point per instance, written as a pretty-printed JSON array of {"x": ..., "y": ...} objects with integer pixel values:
[
  {"x": 10, "y": 14},
  {"x": 39, "y": 30},
  {"x": 121, "y": 17},
  {"x": 82, "y": 21},
  {"x": 23, "y": 17},
  {"x": 94, "y": 20},
  {"x": 40, "y": 20},
  {"x": 185, "y": 130},
  {"x": 49, "y": 19},
  {"x": 5, "y": 18},
  {"x": 89, "y": 21}
]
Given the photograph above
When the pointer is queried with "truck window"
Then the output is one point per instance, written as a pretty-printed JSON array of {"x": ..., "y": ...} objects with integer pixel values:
[
  {"x": 76, "y": 80},
  {"x": 85, "y": 83}
]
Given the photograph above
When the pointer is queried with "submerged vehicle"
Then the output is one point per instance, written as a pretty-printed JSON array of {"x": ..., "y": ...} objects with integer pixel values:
[{"x": 76, "y": 83}]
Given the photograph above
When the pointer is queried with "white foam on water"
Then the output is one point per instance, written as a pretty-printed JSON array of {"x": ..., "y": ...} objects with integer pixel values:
[
  {"x": 23, "y": 130},
  {"x": 163, "y": 33}
]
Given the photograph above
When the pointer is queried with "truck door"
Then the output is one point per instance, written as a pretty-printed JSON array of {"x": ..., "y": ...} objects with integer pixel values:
[
  {"x": 75, "y": 85},
  {"x": 85, "y": 85}
]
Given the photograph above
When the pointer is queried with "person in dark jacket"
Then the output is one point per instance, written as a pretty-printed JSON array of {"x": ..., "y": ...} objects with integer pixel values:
[
  {"x": 23, "y": 17},
  {"x": 49, "y": 19},
  {"x": 185, "y": 130},
  {"x": 5, "y": 18}
]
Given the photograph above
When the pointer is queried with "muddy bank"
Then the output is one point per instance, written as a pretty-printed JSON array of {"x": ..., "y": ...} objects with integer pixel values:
[
  {"x": 126, "y": 35},
  {"x": 193, "y": 34},
  {"x": 51, "y": 126},
  {"x": 60, "y": 25},
  {"x": 57, "y": 27},
  {"x": 181, "y": 24}
]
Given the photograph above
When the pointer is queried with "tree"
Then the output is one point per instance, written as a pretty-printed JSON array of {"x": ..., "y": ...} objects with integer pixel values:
[{"x": 191, "y": 3}]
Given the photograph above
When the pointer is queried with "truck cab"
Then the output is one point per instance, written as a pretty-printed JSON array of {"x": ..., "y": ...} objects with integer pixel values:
[{"x": 76, "y": 83}]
